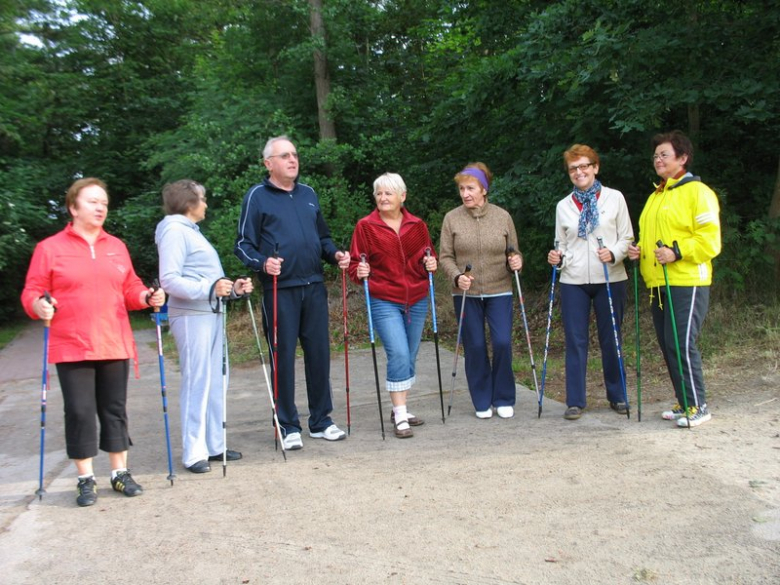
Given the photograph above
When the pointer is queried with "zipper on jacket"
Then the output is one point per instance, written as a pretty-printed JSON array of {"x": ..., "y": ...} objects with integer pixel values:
[{"x": 403, "y": 255}]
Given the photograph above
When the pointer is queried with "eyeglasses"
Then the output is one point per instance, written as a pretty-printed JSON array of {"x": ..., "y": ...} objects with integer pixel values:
[
  {"x": 581, "y": 168},
  {"x": 662, "y": 156},
  {"x": 286, "y": 155}
]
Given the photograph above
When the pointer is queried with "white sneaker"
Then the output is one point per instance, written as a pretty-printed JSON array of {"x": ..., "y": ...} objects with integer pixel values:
[
  {"x": 675, "y": 413},
  {"x": 485, "y": 413},
  {"x": 292, "y": 442},
  {"x": 332, "y": 433},
  {"x": 505, "y": 411}
]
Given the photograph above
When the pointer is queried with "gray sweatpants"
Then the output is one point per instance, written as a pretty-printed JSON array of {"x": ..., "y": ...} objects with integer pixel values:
[
  {"x": 199, "y": 341},
  {"x": 690, "y": 308}
]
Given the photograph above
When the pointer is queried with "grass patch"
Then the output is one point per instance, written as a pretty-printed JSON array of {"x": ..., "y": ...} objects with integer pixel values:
[
  {"x": 142, "y": 320},
  {"x": 9, "y": 331},
  {"x": 735, "y": 339}
]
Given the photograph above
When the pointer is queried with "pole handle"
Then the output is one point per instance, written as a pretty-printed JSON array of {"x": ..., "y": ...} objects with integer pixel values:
[
  {"x": 47, "y": 297},
  {"x": 156, "y": 286},
  {"x": 600, "y": 240}
]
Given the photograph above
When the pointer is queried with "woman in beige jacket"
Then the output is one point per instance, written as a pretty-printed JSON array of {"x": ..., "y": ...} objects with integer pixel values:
[{"x": 481, "y": 234}]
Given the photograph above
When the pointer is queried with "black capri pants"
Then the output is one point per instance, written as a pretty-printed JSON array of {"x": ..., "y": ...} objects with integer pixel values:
[{"x": 92, "y": 391}]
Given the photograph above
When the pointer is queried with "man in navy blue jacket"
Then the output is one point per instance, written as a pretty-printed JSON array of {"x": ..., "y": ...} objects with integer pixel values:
[{"x": 282, "y": 214}]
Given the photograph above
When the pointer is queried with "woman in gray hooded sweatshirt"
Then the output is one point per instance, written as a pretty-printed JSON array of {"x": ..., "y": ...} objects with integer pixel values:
[{"x": 192, "y": 275}]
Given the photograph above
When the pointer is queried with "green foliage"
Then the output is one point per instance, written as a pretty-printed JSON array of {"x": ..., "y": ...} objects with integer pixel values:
[
  {"x": 135, "y": 223},
  {"x": 142, "y": 92},
  {"x": 746, "y": 264},
  {"x": 25, "y": 218}
]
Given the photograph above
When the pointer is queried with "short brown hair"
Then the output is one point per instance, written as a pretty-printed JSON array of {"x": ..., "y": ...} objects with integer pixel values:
[
  {"x": 73, "y": 191},
  {"x": 680, "y": 143},
  {"x": 576, "y": 151},
  {"x": 182, "y": 196}
]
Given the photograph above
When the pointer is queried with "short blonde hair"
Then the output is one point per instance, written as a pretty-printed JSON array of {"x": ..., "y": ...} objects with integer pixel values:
[{"x": 390, "y": 181}]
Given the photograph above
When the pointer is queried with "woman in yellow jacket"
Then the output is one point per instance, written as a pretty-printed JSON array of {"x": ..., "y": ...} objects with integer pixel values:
[{"x": 679, "y": 229}]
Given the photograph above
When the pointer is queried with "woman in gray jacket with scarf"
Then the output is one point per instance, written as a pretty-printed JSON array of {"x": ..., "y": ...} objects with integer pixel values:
[
  {"x": 591, "y": 211},
  {"x": 191, "y": 273}
]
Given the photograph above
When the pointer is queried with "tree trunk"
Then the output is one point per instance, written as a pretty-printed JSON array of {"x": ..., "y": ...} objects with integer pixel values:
[
  {"x": 321, "y": 75},
  {"x": 774, "y": 212}
]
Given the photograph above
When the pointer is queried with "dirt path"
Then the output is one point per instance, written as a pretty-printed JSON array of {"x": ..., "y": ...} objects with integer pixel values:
[{"x": 523, "y": 501}]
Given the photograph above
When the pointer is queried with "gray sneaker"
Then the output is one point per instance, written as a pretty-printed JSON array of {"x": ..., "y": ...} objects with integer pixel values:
[
  {"x": 696, "y": 416},
  {"x": 572, "y": 413}
]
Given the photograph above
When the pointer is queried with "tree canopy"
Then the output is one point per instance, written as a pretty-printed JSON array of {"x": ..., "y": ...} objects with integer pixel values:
[{"x": 142, "y": 92}]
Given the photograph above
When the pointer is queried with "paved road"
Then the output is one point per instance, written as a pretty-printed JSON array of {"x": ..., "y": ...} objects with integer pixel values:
[{"x": 526, "y": 500}]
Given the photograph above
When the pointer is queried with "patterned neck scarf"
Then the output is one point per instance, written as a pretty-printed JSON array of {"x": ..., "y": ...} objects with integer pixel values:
[{"x": 589, "y": 216}]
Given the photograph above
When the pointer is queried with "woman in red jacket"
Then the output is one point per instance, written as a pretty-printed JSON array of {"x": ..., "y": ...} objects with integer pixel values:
[
  {"x": 395, "y": 243},
  {"x": 92, "y": 284}
]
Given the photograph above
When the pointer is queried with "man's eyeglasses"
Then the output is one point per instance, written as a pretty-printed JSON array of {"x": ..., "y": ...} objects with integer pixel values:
[
  {"x": 581, "y": 168},
  {"x": 286, "y": 155}
]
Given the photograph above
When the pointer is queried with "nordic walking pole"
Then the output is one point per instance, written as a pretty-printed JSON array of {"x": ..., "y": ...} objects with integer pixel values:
[
  {"x": 660, "y": 244},
  {"x": 638, "y": 345},
  {"x": 510, "y": 252},
  {"x": 615, "y": 332},
  {"x": 373, "y": 349},
  {"x": 274, "y": 361},
  {"x": 277, "y": 432},
  {"x": 457, "y": 341},
  {"x": 547, "y": 334},
  {"x": 435, "y": 334},
  {"x": 346, "y": 344},
  {"x": 158, "y": 318},
  {"x": 44, "y": 390},
  {"x": 223, "y": 310}
]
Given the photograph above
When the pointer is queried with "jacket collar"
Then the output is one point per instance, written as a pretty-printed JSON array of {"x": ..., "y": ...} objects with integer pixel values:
[
  {"x": 267, "y": 182},
  {"x": 406, "y": 217},
  {"x": 72, "y": 233},
  {"x": 478, "y": 212}
]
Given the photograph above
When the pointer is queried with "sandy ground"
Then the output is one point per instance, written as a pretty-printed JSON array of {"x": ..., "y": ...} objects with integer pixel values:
[{"x": 602, "y": 500}]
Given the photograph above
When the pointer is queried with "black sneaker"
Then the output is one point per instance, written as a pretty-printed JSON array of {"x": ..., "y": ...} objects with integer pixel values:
[
  {"x": 125, "y": 484},
  {"x": 87, "y": 494}
]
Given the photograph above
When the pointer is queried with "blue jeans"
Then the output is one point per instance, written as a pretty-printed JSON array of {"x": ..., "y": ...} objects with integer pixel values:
[{"x": 400, "y": 329}]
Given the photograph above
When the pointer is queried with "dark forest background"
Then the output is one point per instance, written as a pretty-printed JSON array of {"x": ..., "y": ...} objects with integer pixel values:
[{"x": 140, "y": 93}]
